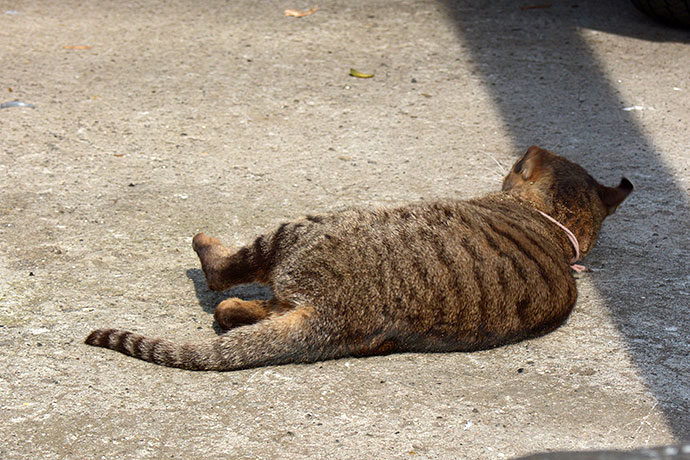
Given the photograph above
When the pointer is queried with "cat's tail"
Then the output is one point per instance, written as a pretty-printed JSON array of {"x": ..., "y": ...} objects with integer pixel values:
[{"x": 282, "y": 339}]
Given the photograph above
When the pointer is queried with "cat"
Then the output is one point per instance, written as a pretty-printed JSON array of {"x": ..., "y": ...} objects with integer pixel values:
[{"x": 426, "y": 277}]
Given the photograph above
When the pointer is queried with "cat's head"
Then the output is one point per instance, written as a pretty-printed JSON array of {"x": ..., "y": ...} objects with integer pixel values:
[{"x": 565, "y": 191}]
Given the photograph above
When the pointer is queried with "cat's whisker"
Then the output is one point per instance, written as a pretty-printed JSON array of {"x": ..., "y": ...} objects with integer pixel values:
[
  {"x": 502, "y": 169},
  {"x": 493, "y": 171},
  {"x": 491, "y": 179}
]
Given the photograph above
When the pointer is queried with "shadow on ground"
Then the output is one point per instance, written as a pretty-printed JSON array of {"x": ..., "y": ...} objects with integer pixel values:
[
  {"x": 209, "y": 299},
  {"x": 542, "y": 76}
]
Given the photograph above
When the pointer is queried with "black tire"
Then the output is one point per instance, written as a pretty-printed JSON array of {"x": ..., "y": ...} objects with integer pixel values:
[{"x": 674, "y": 12}]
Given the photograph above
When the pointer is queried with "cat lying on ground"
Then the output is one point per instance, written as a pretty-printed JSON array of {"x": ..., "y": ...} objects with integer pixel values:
[{"x": 436, "y": 276}]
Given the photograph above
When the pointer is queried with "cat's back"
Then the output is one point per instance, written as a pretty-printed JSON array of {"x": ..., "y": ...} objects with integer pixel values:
[
  {"x": 497, "y": 222},
  {"x": 475, "y": 272},
  {"x": 494, "y": 239}
]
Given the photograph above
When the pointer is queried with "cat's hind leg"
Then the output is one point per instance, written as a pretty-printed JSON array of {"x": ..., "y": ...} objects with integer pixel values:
[
  {"x": 224, "y": 267},
  {"x": 236, "y": 312}
]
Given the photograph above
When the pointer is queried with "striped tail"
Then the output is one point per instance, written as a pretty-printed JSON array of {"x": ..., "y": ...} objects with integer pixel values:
[{"x": 283, "y": 339}]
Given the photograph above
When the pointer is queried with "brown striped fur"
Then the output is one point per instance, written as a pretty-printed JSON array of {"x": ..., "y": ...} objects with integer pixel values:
[{"x": 438, "y": 276}]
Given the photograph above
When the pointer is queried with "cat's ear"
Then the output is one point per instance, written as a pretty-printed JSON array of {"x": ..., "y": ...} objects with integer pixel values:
[
  {"x": 529, "y": 163},
  {"x": 613, "y": 196}
]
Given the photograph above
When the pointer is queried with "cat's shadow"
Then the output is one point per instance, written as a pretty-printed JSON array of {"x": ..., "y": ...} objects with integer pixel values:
[{"x": 209, "y": 299}]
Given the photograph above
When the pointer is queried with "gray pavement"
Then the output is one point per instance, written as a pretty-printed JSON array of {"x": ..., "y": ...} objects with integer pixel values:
[{"x": 155, "y": 120}]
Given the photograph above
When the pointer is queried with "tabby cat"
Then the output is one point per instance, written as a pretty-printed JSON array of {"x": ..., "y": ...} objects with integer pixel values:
[{"x": 428, "y": 277}]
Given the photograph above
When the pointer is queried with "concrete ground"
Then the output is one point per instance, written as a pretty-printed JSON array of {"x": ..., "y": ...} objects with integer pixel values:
[{"x": 155, "y": 120}]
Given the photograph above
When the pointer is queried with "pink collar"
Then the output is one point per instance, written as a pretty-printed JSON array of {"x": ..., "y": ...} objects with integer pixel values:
[{"x": 571, "y": 237}]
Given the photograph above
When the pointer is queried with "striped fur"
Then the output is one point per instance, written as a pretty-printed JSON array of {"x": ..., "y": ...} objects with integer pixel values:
[{"x": 439, "y": 276}]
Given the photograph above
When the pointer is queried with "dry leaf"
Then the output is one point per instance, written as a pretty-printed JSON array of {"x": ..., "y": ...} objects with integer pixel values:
[
  {"x": 358, "y": 74},
  {"x": 301, "y": 14},
  {"x": 77, "y": 47}
]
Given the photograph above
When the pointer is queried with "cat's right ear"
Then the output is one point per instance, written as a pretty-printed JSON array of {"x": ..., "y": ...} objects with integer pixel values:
[
  {"x": 529, "y": 163},
  {"x": 613, "y": 196}
]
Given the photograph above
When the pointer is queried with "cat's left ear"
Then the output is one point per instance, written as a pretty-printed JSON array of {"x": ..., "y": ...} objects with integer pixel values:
[
  {"x": 613, "y": 196},
  {"x": 530, "y": 163}
]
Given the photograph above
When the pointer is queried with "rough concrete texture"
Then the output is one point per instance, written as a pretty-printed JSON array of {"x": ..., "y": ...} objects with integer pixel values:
[
  {"x": 681, "y": 452},
  {"x": 228, "y": 117}
]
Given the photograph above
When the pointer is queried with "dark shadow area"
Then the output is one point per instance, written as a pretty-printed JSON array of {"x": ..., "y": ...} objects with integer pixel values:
[
  {"x": 209, "y": 299},
  {"x": 620, "y": 17},
  {"x": 551, "y": 90}
]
